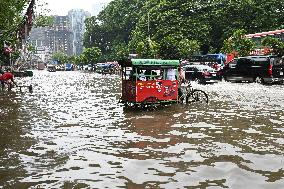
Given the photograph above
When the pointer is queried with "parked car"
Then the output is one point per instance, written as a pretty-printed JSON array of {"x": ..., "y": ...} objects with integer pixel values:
[
  {"x": 59, "y": 67},
  {"x": 202, "y": 73},
  {"x": 260, "y": 69},
  {"x": 51, "y": 68},
  {"x": 105, "y": 68},
  {"x": 69, "y": 67}
]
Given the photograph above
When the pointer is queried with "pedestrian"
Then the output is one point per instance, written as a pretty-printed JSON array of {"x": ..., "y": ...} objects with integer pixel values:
[{"x": 7, "y": 78}]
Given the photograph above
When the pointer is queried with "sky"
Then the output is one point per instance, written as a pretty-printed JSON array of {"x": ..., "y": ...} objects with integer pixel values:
[{"x": 61, "y": 7}]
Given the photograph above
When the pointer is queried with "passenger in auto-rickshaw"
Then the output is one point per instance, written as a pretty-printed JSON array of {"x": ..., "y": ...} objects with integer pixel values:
[
  {"x": 153, "y": 74},
  {"x": 171, "y": 74},
  {"x": 141, "y": 76},
  {"x": 146, "y": 75}
]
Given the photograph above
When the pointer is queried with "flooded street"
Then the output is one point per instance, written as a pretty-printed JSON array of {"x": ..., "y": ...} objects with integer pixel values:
[{"x": 71, "y": 132}]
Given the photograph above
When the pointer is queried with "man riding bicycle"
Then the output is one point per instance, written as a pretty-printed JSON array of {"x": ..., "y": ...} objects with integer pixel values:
[{"x": 181, "y": 77}]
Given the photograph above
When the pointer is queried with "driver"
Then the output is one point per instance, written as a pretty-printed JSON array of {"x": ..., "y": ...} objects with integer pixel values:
[{"x": 181, "y": 77}]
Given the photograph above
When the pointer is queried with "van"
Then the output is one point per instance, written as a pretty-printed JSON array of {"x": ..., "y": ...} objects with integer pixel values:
[{"x": 259, "y": 69}]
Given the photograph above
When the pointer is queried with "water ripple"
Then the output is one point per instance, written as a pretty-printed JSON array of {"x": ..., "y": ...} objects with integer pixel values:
[{"x": 71, "y": 132}]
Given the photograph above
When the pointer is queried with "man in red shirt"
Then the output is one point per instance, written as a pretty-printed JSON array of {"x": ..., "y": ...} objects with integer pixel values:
[{"x": 8, "y": 78}]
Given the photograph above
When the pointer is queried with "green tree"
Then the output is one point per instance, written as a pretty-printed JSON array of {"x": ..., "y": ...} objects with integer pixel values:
[
  {"x": 10, "y": 17},
  {"x": 238, "y": 44},
  {"x": 91, "y": 55},
  {"x": 146, "y": 48},
  {"x": 11, "y": 23},
  {"x": 43, "y": 21},
  {"x": 188, "y": 48},
  {"x": 112, "y": 27},
  {"x": 172, "y": 24},
  {"x": 60, "y": 57}
]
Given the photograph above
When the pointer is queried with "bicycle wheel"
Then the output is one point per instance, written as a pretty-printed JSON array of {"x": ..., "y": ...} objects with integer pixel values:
[
  {"x": 182, "y": 99},
  {"x": 197, "y": 96}
]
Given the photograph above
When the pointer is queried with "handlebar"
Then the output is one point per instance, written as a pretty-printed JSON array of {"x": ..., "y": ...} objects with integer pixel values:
[{"x": 186, "y": 83}]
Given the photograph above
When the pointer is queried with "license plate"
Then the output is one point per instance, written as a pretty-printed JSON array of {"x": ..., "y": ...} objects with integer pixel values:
[{"x": 281, "y": 73}]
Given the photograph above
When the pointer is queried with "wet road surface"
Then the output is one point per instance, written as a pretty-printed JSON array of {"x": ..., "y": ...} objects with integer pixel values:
[{"x": 71, "y": 132}]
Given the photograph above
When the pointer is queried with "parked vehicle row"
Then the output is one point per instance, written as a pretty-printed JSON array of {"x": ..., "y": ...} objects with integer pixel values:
[
  {"x": 102, "y": 68},
  {"x": 260, "y": 69}
]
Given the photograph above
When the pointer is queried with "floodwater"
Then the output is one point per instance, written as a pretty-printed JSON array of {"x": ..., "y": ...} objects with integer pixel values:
[{"x": 71, "y": 132}]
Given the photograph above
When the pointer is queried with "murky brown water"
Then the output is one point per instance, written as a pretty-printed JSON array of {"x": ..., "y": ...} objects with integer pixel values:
[{"x": 72, "y": 133}]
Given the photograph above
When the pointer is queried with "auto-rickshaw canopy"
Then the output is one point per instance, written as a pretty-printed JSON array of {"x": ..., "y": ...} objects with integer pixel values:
[
  {"x": 149, "y": 62},
  {"x": 155, "y": 62}
]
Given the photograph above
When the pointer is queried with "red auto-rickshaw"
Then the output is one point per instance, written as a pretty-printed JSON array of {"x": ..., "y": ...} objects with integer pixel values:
[{"x": 149, "y": 81}]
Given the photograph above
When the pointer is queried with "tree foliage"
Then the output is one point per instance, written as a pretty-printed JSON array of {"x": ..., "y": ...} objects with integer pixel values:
[
  {"x": 112, "y": 27},
  {"x": 238, "y": 43},
  {"x": 179, "y": 28},
  {"x": 60, "y": 57},
  {"x": 12, "y": 15},
  {"x": 43, "y": 21},
  {"x": 91, "y": 55}
]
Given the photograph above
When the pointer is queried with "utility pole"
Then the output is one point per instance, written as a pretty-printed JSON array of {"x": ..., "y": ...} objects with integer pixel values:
[{"x": 148, "y": 26}]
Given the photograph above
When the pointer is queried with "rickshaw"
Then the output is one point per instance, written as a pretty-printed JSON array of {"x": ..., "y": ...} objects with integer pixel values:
[{"x": 152, "y": 82}]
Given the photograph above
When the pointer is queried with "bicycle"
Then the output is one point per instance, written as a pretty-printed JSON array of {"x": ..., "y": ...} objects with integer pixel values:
[
  {"x": 189, "y": 94},
  {"x": 6, "y": 86}
]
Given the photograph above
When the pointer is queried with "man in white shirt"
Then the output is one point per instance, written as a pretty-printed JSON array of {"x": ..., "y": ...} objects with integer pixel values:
[{"x": 171, "y": 74}]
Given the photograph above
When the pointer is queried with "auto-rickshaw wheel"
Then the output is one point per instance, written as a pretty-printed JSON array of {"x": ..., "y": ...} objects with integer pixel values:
[
  {"x": 150, "y": 103},
  {"x": 128, "y": 104}
]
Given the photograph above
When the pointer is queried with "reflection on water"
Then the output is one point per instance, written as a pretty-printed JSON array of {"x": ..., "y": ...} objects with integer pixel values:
[{"x": 71, "y": 132}]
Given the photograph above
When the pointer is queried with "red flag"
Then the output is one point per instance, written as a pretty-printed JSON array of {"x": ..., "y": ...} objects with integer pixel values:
[{"x": 7, "y": 48}]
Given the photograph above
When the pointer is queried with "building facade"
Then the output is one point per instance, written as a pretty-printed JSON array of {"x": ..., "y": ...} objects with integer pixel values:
[
  {"x": 59, "y": 35},
  {"x": 77, "y": 18},
  {"x": 64, "y": 35}
]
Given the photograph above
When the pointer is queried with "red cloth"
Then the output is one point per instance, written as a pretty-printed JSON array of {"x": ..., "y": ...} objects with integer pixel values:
[{"x": 6, "y": 76}]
